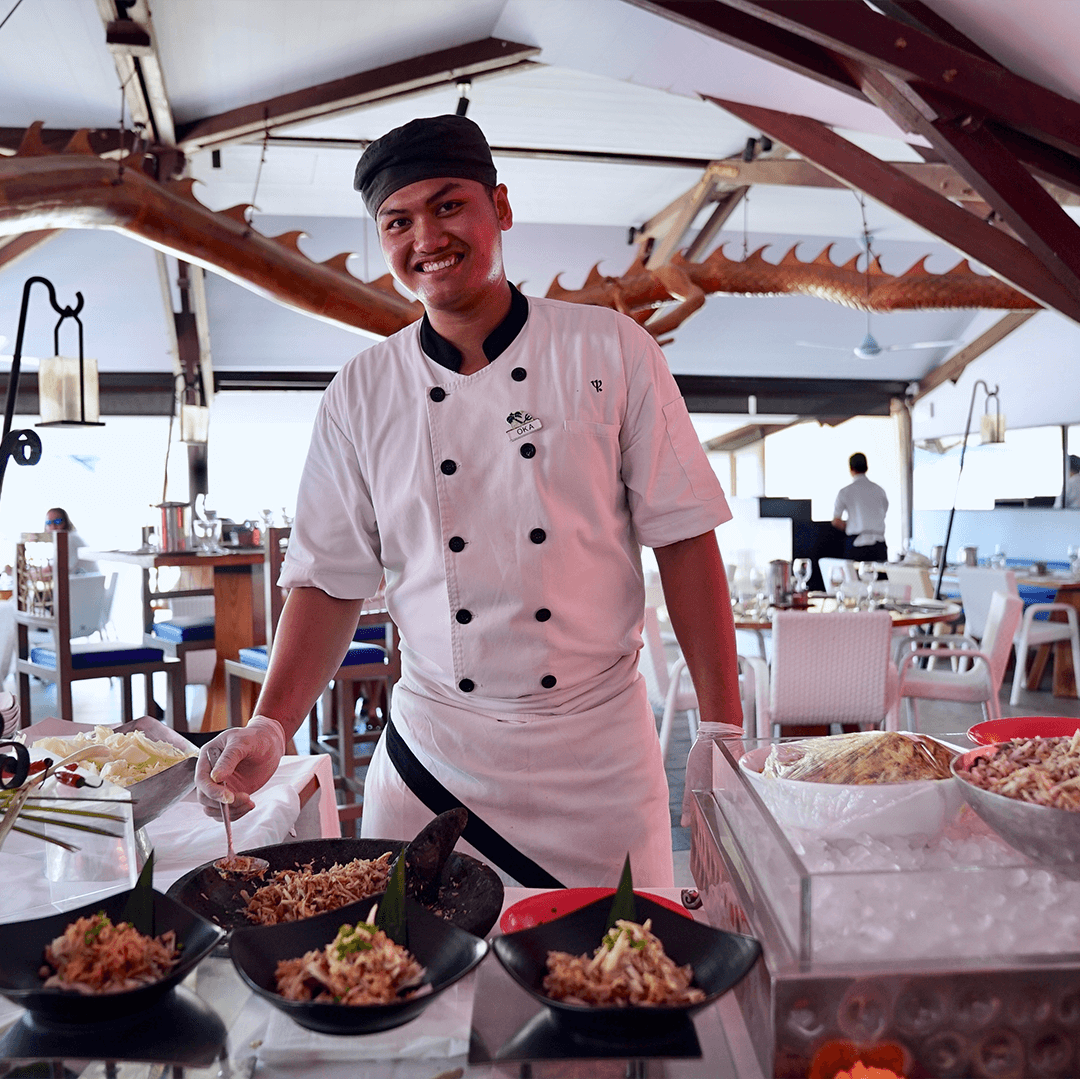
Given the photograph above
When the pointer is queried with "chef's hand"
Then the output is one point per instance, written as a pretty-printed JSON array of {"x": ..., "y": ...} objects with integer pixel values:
[
  {"x": 699, "y": 765},
  {"x": 236, "y": 763}
]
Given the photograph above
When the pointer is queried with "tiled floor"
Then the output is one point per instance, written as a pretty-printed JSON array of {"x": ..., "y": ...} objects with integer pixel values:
[{"x": 99, "y": 701}]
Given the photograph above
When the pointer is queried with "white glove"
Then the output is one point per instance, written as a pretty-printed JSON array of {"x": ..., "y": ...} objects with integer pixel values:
[
  {"x": 699, "y": 764},
  {"x": 236, "y": 763}
]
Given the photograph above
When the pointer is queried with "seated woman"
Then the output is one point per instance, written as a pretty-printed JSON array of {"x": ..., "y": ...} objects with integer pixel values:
[{"x": 57, "y": 520}]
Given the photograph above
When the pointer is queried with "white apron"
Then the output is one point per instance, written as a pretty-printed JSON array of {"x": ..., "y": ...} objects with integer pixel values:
[{"x": 575, "y": 793}]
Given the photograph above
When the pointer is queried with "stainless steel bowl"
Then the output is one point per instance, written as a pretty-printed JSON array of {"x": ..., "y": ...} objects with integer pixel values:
[{"x": 1047, "y": 835}]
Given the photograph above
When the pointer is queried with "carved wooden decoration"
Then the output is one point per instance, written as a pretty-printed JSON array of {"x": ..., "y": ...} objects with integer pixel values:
[{"x": 41, "y": 190}]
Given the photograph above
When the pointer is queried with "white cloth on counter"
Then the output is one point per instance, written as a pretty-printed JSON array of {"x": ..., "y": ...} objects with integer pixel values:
[{"x": 441, "y": 1032}]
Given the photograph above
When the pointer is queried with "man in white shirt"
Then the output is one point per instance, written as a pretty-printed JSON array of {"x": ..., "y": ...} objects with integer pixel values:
[
  {"x": 1072, "y": 486},
  {"x": 864, "y": 503},
  {"x": 501, "y": 462}
]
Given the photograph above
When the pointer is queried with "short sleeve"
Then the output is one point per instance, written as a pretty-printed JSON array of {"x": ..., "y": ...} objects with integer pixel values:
[
  {"x": 334, "y": 544},
  {"x": 672, "y": 491}
]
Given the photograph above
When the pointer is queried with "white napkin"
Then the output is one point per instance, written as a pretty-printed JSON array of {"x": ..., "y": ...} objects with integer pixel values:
[{"x": 439, "y": 1032}]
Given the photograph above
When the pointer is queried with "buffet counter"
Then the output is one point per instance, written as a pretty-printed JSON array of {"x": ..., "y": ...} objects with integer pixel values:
[
  {"x": 943, "y": 941},
  {"x": 213, "y": 1026}
]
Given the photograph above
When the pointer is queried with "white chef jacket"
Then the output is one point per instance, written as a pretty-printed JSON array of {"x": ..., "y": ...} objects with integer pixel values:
[
  {"x": 506, "y": 509},
  {"x": 866, "y": 504}
]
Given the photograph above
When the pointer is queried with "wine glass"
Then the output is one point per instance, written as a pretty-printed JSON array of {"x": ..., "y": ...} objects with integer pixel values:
[
  {"x": 1074, "y": 559},
  {"x": 800, "y": 567},
  {"x": 836, "y": 585},
  {"x": 267, "y": 520},
  {"x": 868, "y": 575},
  {"x": 286, "y": 520},
  {"x": 757, "y": 583}
]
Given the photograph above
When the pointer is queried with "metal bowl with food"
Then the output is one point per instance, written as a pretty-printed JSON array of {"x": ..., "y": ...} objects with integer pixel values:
[
  {"x": 22, "y": 956},
  {"x": 445, "y": 952},
  {"x": 1003, "y": 785},
  {"x": 718, "y": 960},
  {"x": 154, "y": 794}
]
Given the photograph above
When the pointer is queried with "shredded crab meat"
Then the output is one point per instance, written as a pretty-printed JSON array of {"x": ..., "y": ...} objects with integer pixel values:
[
  {"x": 94, "y": 956},
  {"x": 1043, "y": 771},
  {"x": 292, "y": 894},
  {"x": 361, "y": 965},
  {"x": 629, "y": 968}
]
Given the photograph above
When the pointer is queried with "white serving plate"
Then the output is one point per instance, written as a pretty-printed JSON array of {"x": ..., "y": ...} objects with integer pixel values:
[{"x": 845, "y": 811}]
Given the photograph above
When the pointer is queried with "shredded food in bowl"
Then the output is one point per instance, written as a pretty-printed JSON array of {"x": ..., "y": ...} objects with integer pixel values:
[
  {"x": 1043, "y": 771},
  {"x": 629, "y": 968},
  {"x": 132, "y": 756},
  {"x": 94, "y": 956},
  {"x": 292, "y": 894},
  {"x": 361, "y": 965}
]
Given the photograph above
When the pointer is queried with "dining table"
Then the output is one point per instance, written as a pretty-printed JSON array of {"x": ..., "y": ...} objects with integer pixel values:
[
  {"x": 904, "y": 615},
  {"x": 239, "y": 618}
]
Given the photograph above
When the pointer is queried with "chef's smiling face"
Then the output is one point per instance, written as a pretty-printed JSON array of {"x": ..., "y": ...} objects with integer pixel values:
[{"x": 442, "y": 239}]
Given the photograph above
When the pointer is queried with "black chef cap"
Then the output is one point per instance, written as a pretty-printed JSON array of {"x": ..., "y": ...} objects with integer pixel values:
[{"x": 422, "y": 150}]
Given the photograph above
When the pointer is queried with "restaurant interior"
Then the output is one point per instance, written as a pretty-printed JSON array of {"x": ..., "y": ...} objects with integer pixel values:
[{"x": 851, "y": 227}]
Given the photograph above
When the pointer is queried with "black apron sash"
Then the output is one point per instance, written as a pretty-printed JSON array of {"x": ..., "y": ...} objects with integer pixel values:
[{"x": 480, "y": 834}]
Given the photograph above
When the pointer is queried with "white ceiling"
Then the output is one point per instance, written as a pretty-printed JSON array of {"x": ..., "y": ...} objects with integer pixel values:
[{"x": 614, "y": 77}]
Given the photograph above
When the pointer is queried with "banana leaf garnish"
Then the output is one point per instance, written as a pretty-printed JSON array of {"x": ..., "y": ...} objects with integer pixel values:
[
  {"x": 390, "y": 917},
  {"x": 139, "y": 909},
  {"x": 624, "y": 906}
]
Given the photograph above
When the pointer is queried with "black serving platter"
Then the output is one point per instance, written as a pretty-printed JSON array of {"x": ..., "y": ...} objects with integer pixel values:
[
  {"x": 446, "y": 952},
  {"x": 470, "y": 893},
  {"x": 719, "y": 960},
  {"x": 181, "y": 1029},
  {"x": 22, "y": 950}
]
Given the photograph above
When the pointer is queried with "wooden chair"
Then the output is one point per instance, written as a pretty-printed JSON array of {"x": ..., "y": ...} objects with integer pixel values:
[
  {"x": 190, "y": 626},
  {"x": 373, "y": 659},
  {"x": 44, "y": 601}
]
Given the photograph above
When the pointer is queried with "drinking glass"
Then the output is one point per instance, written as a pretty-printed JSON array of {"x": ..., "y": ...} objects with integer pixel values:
[
  {"x": 1074, "y": 558},
  {"x": 867, "y": 572},
  {"x": 836, "y": 585},
  {"x": 800, "y": 567}
]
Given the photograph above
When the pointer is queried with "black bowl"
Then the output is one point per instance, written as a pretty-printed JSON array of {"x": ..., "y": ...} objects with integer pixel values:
[
  {"x": 719, "y": 961},
  {"x": 470, "y": 894},
  {"x": 447, "y": 953},
  {"x": 22, "y": 953}
]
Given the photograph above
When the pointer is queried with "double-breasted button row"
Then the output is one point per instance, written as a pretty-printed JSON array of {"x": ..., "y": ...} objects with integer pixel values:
[{"x": 467, "y": 685}]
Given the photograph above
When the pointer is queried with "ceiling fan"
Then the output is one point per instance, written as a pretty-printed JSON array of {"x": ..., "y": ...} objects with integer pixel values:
[{"x": 868, "y": 347}]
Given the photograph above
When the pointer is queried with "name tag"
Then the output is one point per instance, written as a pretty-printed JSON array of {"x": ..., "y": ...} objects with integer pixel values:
[{"x": 525, "y": 429}]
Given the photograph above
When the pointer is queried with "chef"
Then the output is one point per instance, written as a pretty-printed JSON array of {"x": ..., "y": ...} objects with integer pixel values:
[{"x": 501, "y": 461}]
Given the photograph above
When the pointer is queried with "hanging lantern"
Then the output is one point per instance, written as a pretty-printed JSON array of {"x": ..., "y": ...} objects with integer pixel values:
[
  {"x": 194, "y": 424},
  {"x": 68, "y": 392}
]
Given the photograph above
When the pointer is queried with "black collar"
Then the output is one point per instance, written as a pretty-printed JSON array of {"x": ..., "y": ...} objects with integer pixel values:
[{"x": 437, "y": 348}]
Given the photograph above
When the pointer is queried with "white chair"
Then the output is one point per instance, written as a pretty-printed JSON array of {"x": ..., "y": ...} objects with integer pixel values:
[
  {"x": 977, "y": 586},
  {"x": 978, "y": 684},
  {"x": 828, "y": 669},
  {"x": 917, "y": 578},
  {"x": 671, "y": 690}
]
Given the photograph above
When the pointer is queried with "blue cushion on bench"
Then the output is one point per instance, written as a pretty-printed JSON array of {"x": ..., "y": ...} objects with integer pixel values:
[
  {"x": 255, "y": 657},
  {"x": 181, "y": 630},
  {"x": 358, "y": 655},
  {"x": 99, "y": 654},
  {"x": 370, "y": 633}
]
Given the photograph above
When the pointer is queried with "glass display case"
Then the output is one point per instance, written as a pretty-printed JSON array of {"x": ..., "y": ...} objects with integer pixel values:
[{"x": 948, "y": 943}]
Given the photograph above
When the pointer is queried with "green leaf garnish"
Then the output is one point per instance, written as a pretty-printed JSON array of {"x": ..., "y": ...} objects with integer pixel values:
[
  {"x": 391, "y": 914},
  {"x": 623, "y": 906},
  {"x": 139, "y": 909}
]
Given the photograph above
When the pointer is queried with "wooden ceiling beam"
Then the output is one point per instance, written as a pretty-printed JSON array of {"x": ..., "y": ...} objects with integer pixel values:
[
  {"x": 751, "y": 35},
  {"x": 1001, "y": 254},
  {"x": 977, "y": 155},
  {"x": 129, "y": 36},
  {"x": 855, "y": 31},
  {"x": 13, "y": 248},
  {"x": 490, "y": 56},
  {"x": 954, "y": 366}
]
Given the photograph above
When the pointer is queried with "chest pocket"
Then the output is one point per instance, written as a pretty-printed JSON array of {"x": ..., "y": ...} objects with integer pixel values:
[{"x": 597, "y": 430}]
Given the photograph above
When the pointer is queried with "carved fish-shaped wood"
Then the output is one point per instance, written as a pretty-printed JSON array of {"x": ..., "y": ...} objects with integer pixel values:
[{"x": 42, "y": 190}]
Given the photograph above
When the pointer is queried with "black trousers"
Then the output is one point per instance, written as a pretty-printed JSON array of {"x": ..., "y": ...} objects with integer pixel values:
[{"x": 872, "y": 552}]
